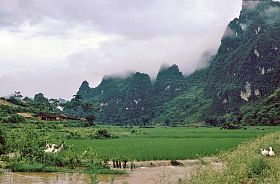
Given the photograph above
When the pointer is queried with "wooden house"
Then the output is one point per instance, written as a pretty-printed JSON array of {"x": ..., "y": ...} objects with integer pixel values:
[
  {"x": 57, "y": 117},
  {"x": 51, "y": 117}
]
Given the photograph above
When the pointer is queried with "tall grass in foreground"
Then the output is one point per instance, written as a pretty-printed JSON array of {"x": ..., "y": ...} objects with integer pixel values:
[{"x": 245, "y": 164}]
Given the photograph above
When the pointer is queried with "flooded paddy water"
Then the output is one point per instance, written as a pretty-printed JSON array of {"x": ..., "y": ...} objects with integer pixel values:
[
  {"x": 43, "y": 178},
  {"x": 150, "y": 172}
]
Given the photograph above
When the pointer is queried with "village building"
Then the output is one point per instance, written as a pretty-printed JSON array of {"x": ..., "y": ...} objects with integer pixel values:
[
  {"x": 51, "y": 117},
  {"x": 57, "y": 117}
]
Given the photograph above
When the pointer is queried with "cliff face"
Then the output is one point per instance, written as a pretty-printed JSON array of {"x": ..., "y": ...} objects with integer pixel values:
[
  {"x": 246, "y": 66},
  {"x": 169, "y": 83},
  {"x": 245, "y": 69},
  {"x": 133, "y": 99},
  {"x": 85, "y": 91}
]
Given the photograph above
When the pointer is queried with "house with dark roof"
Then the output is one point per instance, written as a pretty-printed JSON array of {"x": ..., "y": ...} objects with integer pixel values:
[
  {"x": 57, "y": 117},
  {"x": 51, "y": 117}
]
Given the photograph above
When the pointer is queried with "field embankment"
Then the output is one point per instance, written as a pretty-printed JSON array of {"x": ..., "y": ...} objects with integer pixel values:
[{"x": 245, "y": 164}]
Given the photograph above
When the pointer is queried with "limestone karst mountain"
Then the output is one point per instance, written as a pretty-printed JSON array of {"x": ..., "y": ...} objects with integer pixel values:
[{"x": 245, "y": 70}]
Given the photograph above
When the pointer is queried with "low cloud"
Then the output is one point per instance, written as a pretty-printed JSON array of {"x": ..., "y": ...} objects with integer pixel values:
[
  {"x": 272, "y": 15},
  {"x": 250, "y": 4},
  {"x": 52, "y": 46}
]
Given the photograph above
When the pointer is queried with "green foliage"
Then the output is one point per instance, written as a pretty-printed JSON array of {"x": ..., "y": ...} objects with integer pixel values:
[
  {"x": 132, "y": 100},
  {"x": 258, "y": 166},
  {"x": 43, "y": 104},
  {"x": 8, "y": 112},
  {"x": 3, "y": 141},
  {"x": 74, "y": 135},
  {"x": 169, "y": 83},
  {"x": 25, "y": 152},
  {"x": 247, "y": 61},
  {"x": 167, "y": 143},
  {"x": 248, "y": 54},
  {"x": 245, "y": 55},
  {"x": 13, "y": 118},
  {"x": 40, "y": 98},
  {"x": 80, "y": 108},
  {"x": 263, "y": 112},
  {"x": 245, "y": 164},
  {"x": 102, "y": 134},
  {"x": 16, "y": 166},
  {"x": 184, "y": 108}
]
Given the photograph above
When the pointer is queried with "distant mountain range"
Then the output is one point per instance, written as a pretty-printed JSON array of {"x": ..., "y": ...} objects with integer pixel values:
[{"x": 244, "y": 72}]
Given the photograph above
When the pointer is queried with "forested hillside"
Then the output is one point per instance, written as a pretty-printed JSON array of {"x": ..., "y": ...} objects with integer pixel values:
[
  {"x": 245, "y": 70},
  {"x": 134, "y": 99},
  {"x": 246, "y": 67}
]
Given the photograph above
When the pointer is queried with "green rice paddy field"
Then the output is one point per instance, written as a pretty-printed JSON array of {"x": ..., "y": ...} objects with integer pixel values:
[{"x": 168, "y": 143}]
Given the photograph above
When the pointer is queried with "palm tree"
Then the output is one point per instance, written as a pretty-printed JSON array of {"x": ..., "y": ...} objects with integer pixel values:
[{"x": 18, "y": 94}]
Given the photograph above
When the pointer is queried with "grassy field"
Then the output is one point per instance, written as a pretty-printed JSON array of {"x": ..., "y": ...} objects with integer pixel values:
[
  {"x": 28, "y": 140},
  {"x": 168, "y": 143},
  {"x": 245, "y": 164}
]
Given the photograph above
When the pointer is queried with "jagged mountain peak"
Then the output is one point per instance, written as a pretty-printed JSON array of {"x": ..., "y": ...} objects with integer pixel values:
[
  {"x": 85, "y": 84},
  {"x": 248, "y": 58},
  {"x": 171, "y": 72},
  {"x": 169, "y": 68},
  {"x": 85, "y": 90},
  {"x": 246, "y": 68}
]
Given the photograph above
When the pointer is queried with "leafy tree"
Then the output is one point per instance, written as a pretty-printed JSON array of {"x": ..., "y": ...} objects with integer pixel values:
[
  {"x": 18, "y": 94},
  {"x": 3, "y": 141},
  {"x": 102, "y": 134},
  {"x": 54, "y": 103},
  {"x": 40, "y": 98},
  {"x": 90, "y": 119}
]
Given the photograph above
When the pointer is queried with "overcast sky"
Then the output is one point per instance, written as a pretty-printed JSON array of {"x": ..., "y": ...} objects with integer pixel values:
[{"x": 51, "y": 46}]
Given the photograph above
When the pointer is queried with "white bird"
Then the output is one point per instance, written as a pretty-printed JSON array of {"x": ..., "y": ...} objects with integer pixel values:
[
  {"x": 59, "y": 149},
  {"x": 49, "y": 148},
  {"x": 85, "y": 152},
  {"x": 271, "y": 153},
  {"x": 264, "y": 152}
]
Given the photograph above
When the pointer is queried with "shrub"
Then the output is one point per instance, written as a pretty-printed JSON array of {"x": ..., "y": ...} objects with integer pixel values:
[
  {"x": 102, "y": 134},
  {"x": 26, "y": 166},
  {"x": 14, "y": 118},
  {"x": 133, "y": 131},
  {"x": 74, "y": 135},
  {"x": 3, "y": 141},
  {"x": 257, "y": 167}
]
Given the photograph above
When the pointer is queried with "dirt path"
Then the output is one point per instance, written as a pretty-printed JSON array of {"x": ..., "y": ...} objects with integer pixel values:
[
  {"x": 153, "y": 175},
  {"x": 149, "y": 172},
  {"x": 163, "y": 172}
]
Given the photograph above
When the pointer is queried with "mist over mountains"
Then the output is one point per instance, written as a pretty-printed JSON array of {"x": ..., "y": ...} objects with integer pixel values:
[
  {"x": 237, "y": 84},
  {"x": 57, "y": 45},
  {"x": 244, "y": 71}
]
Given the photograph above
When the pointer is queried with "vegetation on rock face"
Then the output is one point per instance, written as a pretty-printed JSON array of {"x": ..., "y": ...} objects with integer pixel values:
[
  {"x": 131, "y": 100},
  {"x": 246, "y": 66},
  {"x": 244, "y": 72},
  {"x": 240, "y": 87},
  {"x": 183, "y": 109},
  {"x": 169, "y": 83},
  {"x": 245, "y": 69},
  {"x": 263, "y": 112}
]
